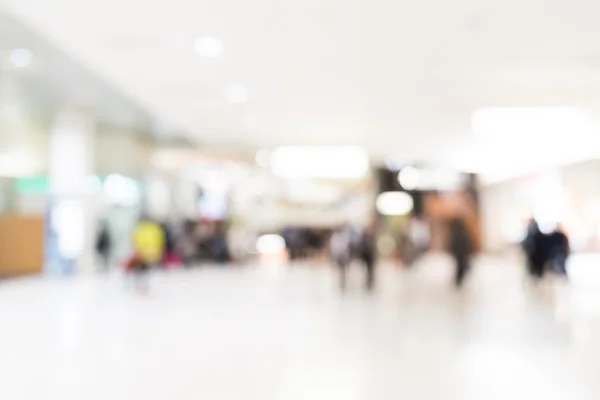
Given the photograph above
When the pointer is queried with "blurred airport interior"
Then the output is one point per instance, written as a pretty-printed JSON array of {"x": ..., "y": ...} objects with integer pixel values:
[{"x": 362, "y": 186}]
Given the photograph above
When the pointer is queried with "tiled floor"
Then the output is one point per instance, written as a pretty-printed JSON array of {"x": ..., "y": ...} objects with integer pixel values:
[{"x": 287, "y": 333}]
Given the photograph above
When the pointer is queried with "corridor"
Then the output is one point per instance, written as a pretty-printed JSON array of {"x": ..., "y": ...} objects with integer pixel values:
[{"x": 280, "y": 332}]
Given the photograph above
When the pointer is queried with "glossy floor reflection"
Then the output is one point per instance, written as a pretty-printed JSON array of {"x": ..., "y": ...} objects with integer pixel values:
[{"x": 287, "y": 333}]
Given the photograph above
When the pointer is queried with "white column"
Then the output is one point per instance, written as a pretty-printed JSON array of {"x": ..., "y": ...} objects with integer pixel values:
[{"x": 71, "y": 220}]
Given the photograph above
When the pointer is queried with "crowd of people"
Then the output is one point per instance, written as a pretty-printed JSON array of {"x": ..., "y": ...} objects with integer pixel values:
[
  {"x": 545, "y": 251},
  {"x": 349, "y": 243},
  {"x": 302, "y": 242},
  {"x": 168, "y": 245},
  {"x": 193, "y": 242},
  {"x": 184, "y": 243}
]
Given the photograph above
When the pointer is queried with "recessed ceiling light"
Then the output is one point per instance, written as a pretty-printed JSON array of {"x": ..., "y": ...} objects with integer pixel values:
[
  {"x": 394, "y": 203},
  {"x": 409, "y": 177},
  {"x": 270, "y": 244},
  {"x": 21, "y": 58},
  {"x": 236, "y": 93},
  {"x": 320, "y": 162},
  {"x": 209, "y": 47},
  {"x": 263, "y": 158}
]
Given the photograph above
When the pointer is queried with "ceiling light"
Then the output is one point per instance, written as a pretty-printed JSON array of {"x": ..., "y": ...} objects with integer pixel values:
[
  {"x": 236, "y": 93},
  {"x": 270, "y": 244},
  {"x": 394, "y": 203},
  {"x": 209, "y": 47},
  {"x": 563, "y": 135},
  {"x": 21, "y": 58},
  {"x": 263, "y": 158},
  {"x": 409, "y": 178},
  {"x": 326, "y": 162}
]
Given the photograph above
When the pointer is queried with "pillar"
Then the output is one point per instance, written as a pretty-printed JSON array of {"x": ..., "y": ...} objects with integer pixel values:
[{"x": 70, "y": 216}]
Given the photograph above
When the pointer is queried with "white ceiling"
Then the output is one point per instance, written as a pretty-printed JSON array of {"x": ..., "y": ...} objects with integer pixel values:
[
  {"x": 52, "y": 79},
  {"x": 396, "y": 77}
]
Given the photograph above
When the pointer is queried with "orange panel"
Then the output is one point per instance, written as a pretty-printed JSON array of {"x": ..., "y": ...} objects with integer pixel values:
[{"x": 21, "y": 245}]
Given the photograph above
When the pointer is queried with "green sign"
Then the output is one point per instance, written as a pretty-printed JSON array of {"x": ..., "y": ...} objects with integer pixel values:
[{"x": 32, "y": 186}]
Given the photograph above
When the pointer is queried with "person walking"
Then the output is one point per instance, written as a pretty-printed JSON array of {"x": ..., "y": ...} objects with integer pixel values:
[
  {"x": 367, "y": 255},
  {"x": 149, "y": 244},
  {"x": 461, "y": 247},
  {"x": 339, "y": 245},
  {"x": 104, "y": 246}
]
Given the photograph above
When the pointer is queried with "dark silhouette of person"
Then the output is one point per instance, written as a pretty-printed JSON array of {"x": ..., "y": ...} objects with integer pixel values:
[
  {"x": 559, "y": 250},
  {"x": 104, "y": 246},
  {"x": 462, "y": 247},
  {"x": 366, "y": 253},
  {"x": 533, "y": 248}
]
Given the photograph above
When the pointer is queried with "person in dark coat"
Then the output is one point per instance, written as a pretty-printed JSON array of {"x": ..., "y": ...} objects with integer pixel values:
[
  {"x": 559, "y": 250},
  {"x": 366, "y": 253},
  {"x": 104, "y": 246},
  {"x": 461, "y": 247},
  {"x": 532, "y": 246}
]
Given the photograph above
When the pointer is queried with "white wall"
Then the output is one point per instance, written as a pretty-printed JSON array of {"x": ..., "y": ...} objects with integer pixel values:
[{"x": 571, "y": 193}]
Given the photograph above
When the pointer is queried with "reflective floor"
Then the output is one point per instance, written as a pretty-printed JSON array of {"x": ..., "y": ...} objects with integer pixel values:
[{"x": 271, "y": 332}]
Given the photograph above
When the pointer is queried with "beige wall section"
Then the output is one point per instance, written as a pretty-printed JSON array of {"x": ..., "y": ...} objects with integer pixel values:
[
  {"x": 23, "y": 148},
  {"x": 21, "y": 245},
  {"x": 121, "y": 151}
]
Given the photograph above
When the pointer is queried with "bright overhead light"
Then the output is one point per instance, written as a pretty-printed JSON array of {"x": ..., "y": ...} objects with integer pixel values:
[
  {"x": 21, "y": 58},
  {"x": 394, "y": 203},
  {"x": 236, "y": 93},
  {"x": 409, "y": 178},
  {"x": 263, "y": 158},
  {"x": 326, "y": 162},
  {"x": 563, "y": 135},
  {"x": 209, "y": 47},
  {"x": 270, "y": 244}
]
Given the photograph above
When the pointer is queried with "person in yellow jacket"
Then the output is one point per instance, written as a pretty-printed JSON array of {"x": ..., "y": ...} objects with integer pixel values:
[{"x": 149, "y": 245}]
